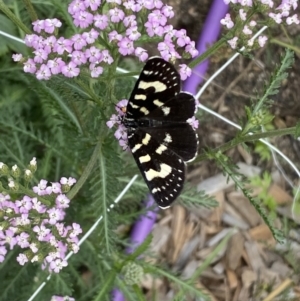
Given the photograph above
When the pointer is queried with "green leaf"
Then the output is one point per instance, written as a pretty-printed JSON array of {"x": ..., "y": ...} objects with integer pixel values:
[
  {"x": 140, "y": 249},
  {"x": 297, "y": 131},
  {"x": 7, "y": 43},
  {"x": 184, "y": 285}
]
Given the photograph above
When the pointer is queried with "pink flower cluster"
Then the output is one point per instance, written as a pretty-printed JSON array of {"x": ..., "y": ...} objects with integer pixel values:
[
  {"x": 277, "y": 15},
  {"x": 37, "y": 227},
  {"x": 108, "y": 25},
  {"x": 121, "y": 132}
]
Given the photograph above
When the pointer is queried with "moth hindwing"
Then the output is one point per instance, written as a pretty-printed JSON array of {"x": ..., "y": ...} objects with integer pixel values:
[{"x": 159, "y": 136}]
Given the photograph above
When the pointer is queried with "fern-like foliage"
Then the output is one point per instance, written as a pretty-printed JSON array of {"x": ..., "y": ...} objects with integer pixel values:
[
  {"x": 297, "y": 132},
  {"x": 231, "y": 171},
  {"x": 257, "y": 115},
  {"x": 191, "y": 197}
]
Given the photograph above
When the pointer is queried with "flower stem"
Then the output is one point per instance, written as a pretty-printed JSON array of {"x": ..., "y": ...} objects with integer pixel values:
[
  {"x": 247, "y": 138},
  {"x": 208, "y": 52},
  {"x": 31, "y": 11},
  {"x": 88, "y": 169},
  {"x": 286, "y": 45},
  {"x": 4, "y": 8}
]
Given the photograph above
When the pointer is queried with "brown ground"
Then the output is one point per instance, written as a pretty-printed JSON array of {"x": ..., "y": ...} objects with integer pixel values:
[{"x": 251, "y": 266}]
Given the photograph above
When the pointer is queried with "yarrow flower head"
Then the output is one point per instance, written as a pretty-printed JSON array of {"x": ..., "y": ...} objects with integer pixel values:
[
  {"x": 184, "y": 71},
  {"x": 233, "y": 42},
  {"x": 17, "y": 57},
  {"x": 99, "y": 21},
  {"x": 43, "y": 216},
  {"x": 273, "y": 15},
  {"x": 227, "y": 21},
  {"x": 132, "y": 273}
]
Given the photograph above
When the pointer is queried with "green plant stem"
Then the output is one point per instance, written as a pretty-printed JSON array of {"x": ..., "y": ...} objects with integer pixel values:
[
  {"x": 88, "y": 91},
  {"x": 138, "y": 292},
  {"x": 184, "y": 285},
  {"x": 208, "y": 52},
  {"x": 248, "y": 138},
  {"x": 286, "y": 45},
  {"x": 31, "y": 11},
  {"x": 110, "y": 278},
  {"x": 86, "y": 172},
  {"x": 102, "y": 168},
  {"x": 4, "y": 8},
  {"x": 16, "y": 10}
]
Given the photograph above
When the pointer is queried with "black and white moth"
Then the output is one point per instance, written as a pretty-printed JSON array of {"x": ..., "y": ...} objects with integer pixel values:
[{"x": 159, "y": 136}]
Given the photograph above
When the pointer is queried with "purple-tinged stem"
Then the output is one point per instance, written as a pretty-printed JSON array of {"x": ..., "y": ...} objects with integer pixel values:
[
  {"x": 117, "y": 295},
  {"x": 143, "y": 226},
  {"x": 210, "y": 32}
]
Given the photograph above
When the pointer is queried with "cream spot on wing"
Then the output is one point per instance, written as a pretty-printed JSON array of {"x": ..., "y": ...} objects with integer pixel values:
[
  {"x": 163, "y": 207},
  {"x": 144, "y": 110},
  {"x": 157, "y": 85},
  {"x": 136, "y": 147},
  {"x": 165, "y": 170},
  {"x": 168, "y": 138},
  {"x": 147, "y": 72},
  {"x": 140, "y": 96},
  {"x": 161, "y": 149},
  {"x": 166, "y": 110},
  {"x": 158, "y": 103},
  {"x": 144, "y": 159},
  {"x": 133, "y": 105},
  {"x": 146, "y": 140}
]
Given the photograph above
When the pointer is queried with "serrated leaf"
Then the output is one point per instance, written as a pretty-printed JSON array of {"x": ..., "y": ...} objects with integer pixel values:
[
  {"x": 140, "y": 249},
  {"x": 297, "y": 130}
]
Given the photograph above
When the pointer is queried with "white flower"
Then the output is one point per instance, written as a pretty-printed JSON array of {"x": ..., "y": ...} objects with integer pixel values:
[{"x": 33, "y": 161}]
